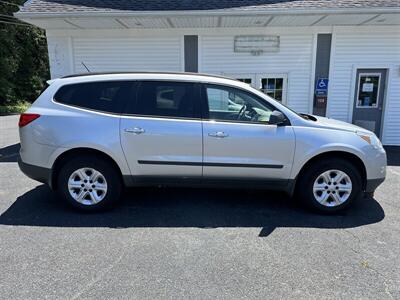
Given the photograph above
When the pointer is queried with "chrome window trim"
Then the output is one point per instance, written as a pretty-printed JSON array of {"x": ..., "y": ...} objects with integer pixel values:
[
  {"x": 159, "y": 117},
  {"x": 136, "y": 81}
]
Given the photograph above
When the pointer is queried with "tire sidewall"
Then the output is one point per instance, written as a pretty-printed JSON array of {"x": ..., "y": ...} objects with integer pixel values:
[{"x": 110, "y": 174}]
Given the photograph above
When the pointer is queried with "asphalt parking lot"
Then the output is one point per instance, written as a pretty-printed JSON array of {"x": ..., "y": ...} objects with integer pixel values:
[{"x": 193, "y": 243}]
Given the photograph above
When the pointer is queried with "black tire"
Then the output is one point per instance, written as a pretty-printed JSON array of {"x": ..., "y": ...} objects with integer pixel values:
[
  {"x": 111, "y": 175},
  {"x": 305, "y": 183}
]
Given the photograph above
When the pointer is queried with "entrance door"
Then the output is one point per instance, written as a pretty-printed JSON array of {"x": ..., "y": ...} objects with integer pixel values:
[{"x": 369, "y": 99}]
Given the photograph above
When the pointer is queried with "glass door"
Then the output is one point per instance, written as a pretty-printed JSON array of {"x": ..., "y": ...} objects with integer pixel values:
[{"x": 369, "y": 97}]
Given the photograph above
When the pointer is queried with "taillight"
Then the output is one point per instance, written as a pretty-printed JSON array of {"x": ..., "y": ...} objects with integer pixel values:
[{"x": 25, "y": 119}]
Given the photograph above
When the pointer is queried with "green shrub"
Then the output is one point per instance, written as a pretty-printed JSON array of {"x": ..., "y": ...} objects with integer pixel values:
[
  {"x": 15, "y": 108},
  {"x": 23, "y": 59}
]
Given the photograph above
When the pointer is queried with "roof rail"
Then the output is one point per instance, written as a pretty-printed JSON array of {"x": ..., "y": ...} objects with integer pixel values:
[{"x": 146, "y": 72}]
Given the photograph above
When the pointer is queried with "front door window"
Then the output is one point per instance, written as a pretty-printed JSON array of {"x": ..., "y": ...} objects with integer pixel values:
[
  {"x": 230, "y": 104},
  {"x": 368, "y": 90}
]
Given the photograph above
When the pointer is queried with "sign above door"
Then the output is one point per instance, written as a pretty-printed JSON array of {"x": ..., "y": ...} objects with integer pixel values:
[{"x": 256, "y": 44}]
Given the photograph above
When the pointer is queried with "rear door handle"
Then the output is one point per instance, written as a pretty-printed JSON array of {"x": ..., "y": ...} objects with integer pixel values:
[
  {"x": 218, "y": 134},
  {"x": 135, "y": 130}
]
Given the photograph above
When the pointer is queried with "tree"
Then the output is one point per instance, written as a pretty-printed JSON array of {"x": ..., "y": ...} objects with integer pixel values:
[{"x": 23, "y": 57}]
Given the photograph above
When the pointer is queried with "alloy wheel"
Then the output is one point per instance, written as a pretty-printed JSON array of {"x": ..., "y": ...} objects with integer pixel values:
[
  {"x": 87, "y": 186},
  {"x": 332, "y": 188}
]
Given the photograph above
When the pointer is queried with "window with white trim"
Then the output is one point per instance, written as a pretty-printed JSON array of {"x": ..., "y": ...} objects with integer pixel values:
[{"x": 273, "y": 87}]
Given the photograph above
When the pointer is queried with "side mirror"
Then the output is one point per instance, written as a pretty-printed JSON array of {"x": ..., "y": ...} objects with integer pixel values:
[{"x": 277, "y": 118}]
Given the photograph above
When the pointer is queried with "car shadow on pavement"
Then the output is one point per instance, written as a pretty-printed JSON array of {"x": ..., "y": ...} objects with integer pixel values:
[
  {"x": 393, "y": 155},
  {"x": 173, "y": 207},
  {"x": 10, "y": 153}
]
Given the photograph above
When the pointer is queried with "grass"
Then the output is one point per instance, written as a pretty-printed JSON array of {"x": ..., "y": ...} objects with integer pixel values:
[{"x": 16, "y": 108}]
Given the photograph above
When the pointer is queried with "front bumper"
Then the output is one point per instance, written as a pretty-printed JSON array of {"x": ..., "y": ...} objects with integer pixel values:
[
  {"x": 37, "y": 173},
  {"x": 372, "y": 184},
  {"x": 375, "y": 164}
]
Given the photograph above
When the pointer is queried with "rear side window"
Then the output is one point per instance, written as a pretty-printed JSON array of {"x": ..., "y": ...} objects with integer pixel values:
[
  {"x": 165, "y": 99},
  {"x": 107, "y": 96}
]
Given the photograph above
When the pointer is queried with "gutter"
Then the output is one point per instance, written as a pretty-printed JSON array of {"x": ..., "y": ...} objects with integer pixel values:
[{"x": 238, "y": 12}]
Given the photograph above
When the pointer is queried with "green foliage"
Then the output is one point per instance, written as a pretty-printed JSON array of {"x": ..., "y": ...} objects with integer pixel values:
[
  {"x": 23, "y": 58},
  {"x": 15, "y": 108}
]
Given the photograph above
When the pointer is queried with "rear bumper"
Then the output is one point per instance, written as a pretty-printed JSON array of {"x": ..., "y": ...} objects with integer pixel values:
[
  {"x": 372, "y": 184},
  {"x": 37, "y": 173}
]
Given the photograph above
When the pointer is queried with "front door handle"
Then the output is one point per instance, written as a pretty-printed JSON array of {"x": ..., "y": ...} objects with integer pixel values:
[
  {"x": 218, "y": 134},
  {"x": 135, "y": 130}
]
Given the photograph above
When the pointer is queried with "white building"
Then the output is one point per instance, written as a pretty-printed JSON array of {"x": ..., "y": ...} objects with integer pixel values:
[{"x": 286, "y": 47}]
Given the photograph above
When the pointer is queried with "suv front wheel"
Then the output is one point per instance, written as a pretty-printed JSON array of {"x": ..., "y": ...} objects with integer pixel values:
[
  {"x": 329, "y": 185},
  {"x": 89, "y": 183}
]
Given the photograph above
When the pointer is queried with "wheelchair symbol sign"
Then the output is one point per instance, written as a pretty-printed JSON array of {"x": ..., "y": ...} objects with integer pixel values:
[{"x": 321, "y": 88}]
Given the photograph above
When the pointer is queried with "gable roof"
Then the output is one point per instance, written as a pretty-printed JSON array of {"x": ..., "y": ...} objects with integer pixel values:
[{"x": 79, "y": 6}]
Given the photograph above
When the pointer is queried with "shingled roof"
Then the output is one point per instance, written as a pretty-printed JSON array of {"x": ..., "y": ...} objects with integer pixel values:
[{"x": 65, "y": 6}]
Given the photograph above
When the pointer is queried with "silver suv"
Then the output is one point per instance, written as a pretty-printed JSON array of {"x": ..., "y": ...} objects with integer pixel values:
[{"x": 88, "y": 136}]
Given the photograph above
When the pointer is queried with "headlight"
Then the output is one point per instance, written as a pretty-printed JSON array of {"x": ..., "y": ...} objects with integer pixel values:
[{"x": 371, "y": 139}]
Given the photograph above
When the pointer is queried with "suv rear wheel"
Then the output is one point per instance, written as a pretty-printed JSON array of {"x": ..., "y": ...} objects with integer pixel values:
[
  {"x": 329, "y": 185},
  {"x": 89, "y": 183}
]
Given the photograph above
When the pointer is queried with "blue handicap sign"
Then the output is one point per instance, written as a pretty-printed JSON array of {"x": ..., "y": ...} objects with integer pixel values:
[{"x": 321, "y": 88}]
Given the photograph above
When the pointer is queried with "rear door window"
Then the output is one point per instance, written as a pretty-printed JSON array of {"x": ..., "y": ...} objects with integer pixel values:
[
  {"x": 107, "y": 96},
  {"x": 165, "y": 99}
]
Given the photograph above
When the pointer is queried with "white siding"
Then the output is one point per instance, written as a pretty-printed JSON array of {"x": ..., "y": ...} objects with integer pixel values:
[
  {"x": 360, "y": 48},
  {"x": 109, "y": 54},
  {"x": 294, "y": 59},
  {"x": 59, "y": 56}
]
